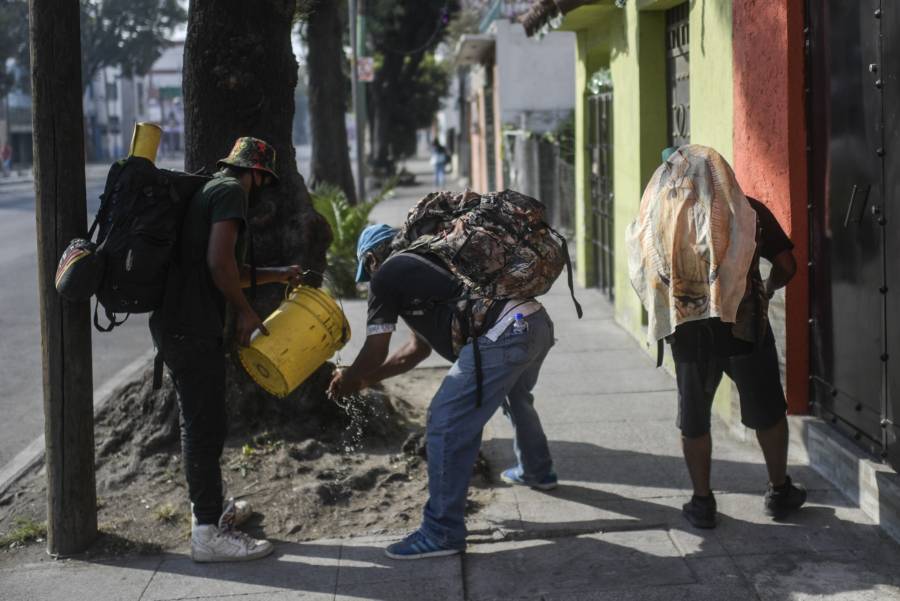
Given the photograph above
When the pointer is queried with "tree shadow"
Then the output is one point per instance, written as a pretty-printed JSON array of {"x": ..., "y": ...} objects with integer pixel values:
[
  {"x": 747, "y": 550},
  {"x": 610, "y": 526}
]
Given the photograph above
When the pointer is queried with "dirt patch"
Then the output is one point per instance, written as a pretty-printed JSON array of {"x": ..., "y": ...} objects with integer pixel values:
[{"x": 363, "y": 474}]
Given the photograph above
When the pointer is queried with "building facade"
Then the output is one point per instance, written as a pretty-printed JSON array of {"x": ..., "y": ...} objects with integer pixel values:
[
  {"x": 801, "y": 98},
  {"x": 510, "y": 83},
  {"x": 113, "y": 103}
]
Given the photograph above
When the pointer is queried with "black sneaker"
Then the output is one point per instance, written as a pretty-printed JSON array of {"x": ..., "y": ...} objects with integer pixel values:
[
  {"x": 781, "y": 500},
  {"x": 700, "y": 511}
]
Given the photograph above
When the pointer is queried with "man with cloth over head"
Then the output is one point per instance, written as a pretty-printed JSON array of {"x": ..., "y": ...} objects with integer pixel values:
[
  {"x": 513, "y": 343},
  {"x": 694, "y": 259}
]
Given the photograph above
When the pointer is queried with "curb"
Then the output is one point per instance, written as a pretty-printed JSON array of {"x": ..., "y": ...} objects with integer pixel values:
[
  {"x": 33, "y": 454},
  {"x": 874, "y": 486}
]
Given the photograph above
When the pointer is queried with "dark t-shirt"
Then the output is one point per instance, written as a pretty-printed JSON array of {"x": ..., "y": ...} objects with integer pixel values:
[
  {"x": 417, "y": 289},
  {"x": 771, "y": 242},
  {"x": 194, "y": 305},
  {"x": 772, "y": 239}
]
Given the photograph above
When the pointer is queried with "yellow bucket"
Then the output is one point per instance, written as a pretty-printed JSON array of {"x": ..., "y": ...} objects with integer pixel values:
[
  {"x": 145, "y": 140},
  {"x": 304, "y": 332}
]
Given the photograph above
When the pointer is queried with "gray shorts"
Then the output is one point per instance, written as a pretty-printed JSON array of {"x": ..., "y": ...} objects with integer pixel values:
[{"x": 703, "y": 351}]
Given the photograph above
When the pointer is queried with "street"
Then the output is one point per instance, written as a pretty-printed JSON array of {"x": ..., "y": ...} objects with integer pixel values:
[{"x": 20, "y": 345}]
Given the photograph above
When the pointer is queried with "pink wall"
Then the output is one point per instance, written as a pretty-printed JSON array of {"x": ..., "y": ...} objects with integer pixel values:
[{"x": 770, "y": 149}]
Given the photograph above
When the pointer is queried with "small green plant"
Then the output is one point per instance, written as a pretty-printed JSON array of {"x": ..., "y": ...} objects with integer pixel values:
[
  {"x": 166, "y": 513},
  {"x": 24, "y": 531},
  {"x": 347, "y": 222}
]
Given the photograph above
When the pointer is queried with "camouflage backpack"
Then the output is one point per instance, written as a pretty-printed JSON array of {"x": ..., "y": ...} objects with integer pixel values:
[{"x": 497, "y": 244}]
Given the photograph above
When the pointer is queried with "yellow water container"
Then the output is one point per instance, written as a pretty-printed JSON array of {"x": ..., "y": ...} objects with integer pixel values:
[
  {"x": 145, "y": 140},
  {"x": 304, "y": 332}
]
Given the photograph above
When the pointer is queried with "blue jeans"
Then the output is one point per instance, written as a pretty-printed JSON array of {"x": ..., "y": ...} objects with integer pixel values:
[{"x": 455, "y": 422}]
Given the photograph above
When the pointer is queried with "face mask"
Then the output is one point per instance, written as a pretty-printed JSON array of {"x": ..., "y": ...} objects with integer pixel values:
[{"x": 254, "y": 194}]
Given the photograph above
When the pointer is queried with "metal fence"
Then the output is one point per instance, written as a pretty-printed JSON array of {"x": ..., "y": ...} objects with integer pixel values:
[{"x": 535, "y": 167}]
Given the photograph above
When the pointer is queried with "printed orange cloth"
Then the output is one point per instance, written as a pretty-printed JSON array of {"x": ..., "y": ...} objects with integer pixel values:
[{"x": 692, "y": 243}]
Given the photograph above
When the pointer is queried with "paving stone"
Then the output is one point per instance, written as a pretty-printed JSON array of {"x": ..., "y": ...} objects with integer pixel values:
[
  {"x": 269, "y": 596},
  {"x": 65, "y": 581},
  {"x": 639, "y": 407},
  {"x": 721, "y": 571},
  {"x": 607, "y": 382},
  {"x": 363, "y": 562},
  {"x": 307, "y": 567},
  {"x": 563, "y": 360},
  {"x": 737, "y": 466},
  {"x": 566, "y": 566},
  {"x": 591, "y": 336},
  {"x": 689, "y": 592},
  {"x": 818, "y": 576},
  {"x": 554, "y": 514},
  {"x": 502, "y": 516},
  {"x": 418, "y": 589},
  {"x": 744, "y": 529}
]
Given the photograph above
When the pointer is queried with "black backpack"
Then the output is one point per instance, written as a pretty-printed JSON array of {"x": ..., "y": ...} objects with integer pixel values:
[{"x": 138, "y": 227}]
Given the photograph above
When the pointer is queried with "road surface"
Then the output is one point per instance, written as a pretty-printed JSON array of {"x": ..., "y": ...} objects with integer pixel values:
[{"x": 21, "y": 400}]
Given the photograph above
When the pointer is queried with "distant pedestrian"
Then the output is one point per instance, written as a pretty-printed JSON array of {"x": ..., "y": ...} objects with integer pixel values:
[
  {"x": 6, "y": 153},
  {"x": 694, "y": 258},
  {"x": 439, "y": 159},
  {"x": 188, "y": 331},
  {"x": 500, "y": 368}
]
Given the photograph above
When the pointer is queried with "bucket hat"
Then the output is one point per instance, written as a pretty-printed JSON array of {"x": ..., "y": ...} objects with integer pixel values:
[{"x": 251, "y": 153}]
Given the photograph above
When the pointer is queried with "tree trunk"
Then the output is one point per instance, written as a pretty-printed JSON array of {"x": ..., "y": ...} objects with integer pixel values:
[
  {"x": 384, "y": 159},
  {"x": 61, "y": 213},
  {"x": 239, "y": 80},
  {"x": 328, "y": 99},
  {"x": 387, "y": 91}
]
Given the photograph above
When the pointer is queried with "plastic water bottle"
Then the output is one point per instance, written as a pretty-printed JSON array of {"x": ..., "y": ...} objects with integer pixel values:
[{"x": 520, "y": 326}]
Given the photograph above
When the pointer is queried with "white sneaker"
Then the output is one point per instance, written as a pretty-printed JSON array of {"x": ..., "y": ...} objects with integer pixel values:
[{"x": 213, "y": 543}]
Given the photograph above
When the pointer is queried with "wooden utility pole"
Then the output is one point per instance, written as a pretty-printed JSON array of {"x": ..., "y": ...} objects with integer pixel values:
[{"x": 61, "y": 213}]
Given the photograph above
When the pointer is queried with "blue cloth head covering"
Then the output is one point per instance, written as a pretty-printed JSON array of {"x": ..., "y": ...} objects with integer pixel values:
[
  {"x": 667, "y": 152},
  {"x": 370, "y": 238}
]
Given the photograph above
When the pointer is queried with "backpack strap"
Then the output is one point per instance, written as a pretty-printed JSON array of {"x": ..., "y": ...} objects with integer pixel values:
[
  {"x": 110, "y": 317},
  {"x": 479, "y": 373},
  {"x": 158, "y": 369},
  {"x": 565, "y": 250},
  {"x": 252, "y": 263}
]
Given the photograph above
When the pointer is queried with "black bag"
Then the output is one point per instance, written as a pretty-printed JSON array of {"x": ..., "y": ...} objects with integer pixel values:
[{"x": 138, "y": 227}]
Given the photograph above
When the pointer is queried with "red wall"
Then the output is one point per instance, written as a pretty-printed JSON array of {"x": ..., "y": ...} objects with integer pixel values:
[{"x": 770, "y": 149}]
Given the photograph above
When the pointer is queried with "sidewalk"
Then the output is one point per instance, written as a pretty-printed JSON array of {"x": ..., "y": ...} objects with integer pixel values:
[{"x": 611, "y": 531}]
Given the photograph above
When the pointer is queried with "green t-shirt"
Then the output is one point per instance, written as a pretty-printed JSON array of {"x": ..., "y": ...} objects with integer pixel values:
[{"x": 193, "y": 305}]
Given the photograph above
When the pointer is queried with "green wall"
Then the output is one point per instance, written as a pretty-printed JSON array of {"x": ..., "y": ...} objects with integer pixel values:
[
  {"x": 712, "y": 101},
  {"x": 637, "y": 66},
  {"x": 584, "y": 259},
  {"x": 632, "y": 41}
]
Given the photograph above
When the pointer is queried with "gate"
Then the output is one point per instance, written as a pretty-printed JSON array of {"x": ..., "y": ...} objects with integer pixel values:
[
  {"x": 678, "y": 73},
  {"x": 603, "y": 230},
  {"x": 854, "y": 61}
]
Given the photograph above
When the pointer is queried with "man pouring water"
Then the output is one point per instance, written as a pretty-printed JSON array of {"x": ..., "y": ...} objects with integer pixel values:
[{"x": 497, "y": 366}]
